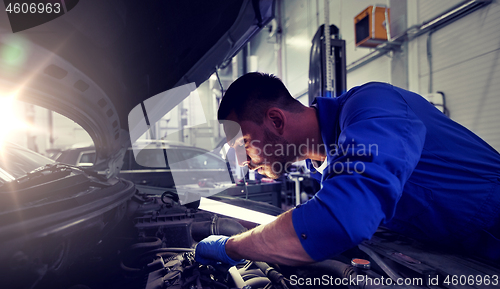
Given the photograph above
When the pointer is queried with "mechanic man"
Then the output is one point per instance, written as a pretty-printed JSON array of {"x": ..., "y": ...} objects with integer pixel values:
[{"x": 385, "y": 156}]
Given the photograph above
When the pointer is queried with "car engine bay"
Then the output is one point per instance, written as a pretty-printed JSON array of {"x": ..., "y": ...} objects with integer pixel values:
[
  {"x": 107, "y": 233},
  {"x": 156, "y": 250}
]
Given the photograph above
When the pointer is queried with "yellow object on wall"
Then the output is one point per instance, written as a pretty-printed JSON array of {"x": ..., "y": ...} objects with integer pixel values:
[{"x": 370, "y": 27}]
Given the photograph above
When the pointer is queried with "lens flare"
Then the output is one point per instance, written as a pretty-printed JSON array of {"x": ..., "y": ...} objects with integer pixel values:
[
  {"x": 14, "y": 52},
  {"x": 10, "y": 122}
]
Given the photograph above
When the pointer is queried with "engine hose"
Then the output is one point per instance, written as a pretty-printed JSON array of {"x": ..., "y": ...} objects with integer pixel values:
[
  {"x": 166, "y": 255},
  {"x": 274, "y": 276},
  {"x": 247, "y": 277},
  {"x": 238, "y": 280},
  {"x": 171, "y": 250},
  {"x": 147, "y": 243},
  {"x": 338, "y": 268},
  {"x": 218, "y": 226},
  {"x": 129, "y": 269},
  {"x": 256, "y": 272},
  {"x": 257, "y": 282}
]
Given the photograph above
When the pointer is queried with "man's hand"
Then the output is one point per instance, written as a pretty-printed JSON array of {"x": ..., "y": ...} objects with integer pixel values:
[
  {"x": 212, "y": 250},
  {"x": 275, "y": 242}
]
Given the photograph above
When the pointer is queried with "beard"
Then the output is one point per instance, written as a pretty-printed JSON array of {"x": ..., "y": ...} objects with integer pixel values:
[{"x": 273, "y": 166}]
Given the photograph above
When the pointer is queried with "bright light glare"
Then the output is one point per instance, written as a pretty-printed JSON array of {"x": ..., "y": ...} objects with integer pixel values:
[
  {"x": 299, "y": 42},
  {"x": 10, "y": 122},
  {"x": 235, "y": 212}
]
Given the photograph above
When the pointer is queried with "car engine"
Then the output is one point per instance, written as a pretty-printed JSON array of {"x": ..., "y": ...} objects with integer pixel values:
[
  {"x": 161, "y": 253},
  {"x": 153, "y": 248},
  {"x": 163, "y": 257}
]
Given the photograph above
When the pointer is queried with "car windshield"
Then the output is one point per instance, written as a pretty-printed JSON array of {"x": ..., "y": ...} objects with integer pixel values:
[{"x": 17, "y": 161}]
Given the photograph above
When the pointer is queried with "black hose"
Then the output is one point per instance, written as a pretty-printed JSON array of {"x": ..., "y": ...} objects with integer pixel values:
[
  {"x": 338, "y": 268},
  {"x": 173, "y": 250},
  {"x": 137, "y": 249},
  {"x": 147, "y": 243},
  {"x": 274, "y": 276},
  {"x": 218, "y": 226},
  {"x": 129, "y": 269},
  {"x": 257, "y": 282}
]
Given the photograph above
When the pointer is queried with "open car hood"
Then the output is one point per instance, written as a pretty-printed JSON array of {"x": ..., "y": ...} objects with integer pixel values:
[{"x": 102, "y": 58}]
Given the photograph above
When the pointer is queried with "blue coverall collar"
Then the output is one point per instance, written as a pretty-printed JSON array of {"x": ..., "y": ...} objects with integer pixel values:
[{"x": 328, "y": 118}]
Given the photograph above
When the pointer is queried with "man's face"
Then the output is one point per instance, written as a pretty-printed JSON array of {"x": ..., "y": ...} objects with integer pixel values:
[{"x": 259, "y": 148}]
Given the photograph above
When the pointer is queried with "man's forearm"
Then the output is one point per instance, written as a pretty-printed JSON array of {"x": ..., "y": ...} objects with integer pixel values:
[{"x": 275, "y": 242}]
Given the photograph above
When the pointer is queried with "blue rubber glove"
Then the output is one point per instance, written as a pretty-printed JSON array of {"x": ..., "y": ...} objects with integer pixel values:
[{"x": 212, "y": 249}]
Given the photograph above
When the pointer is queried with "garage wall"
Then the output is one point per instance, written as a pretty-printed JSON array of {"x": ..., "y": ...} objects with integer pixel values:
[
  {"x": 465, "y": 58},
  {"x": 66, "y": 133},
  {"x": 265, "y": 48},
  {"x": 301, "y": 19},
  {"x": 298, "y": 21},
  {"x": 377, "y": 70},
  {"x": 428, "y": 9}
]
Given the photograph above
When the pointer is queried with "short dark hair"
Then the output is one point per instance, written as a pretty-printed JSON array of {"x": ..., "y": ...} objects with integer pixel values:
[{"x": 251, "y": 95}]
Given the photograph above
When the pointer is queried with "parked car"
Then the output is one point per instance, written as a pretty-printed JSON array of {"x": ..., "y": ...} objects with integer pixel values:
[
  {"x": 196, "y": 164},
  {"x": 78, "y": 156}
]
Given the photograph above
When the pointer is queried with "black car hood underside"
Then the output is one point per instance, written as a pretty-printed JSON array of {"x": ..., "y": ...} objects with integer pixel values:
[
  {"x": 103, "y": 58},
  {"x": 136, "y": 49}
]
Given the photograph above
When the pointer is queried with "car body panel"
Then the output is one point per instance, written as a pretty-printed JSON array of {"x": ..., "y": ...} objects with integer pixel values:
[
  {"x": 197, "y": 164},
  {"x": 52, "y": 215}
]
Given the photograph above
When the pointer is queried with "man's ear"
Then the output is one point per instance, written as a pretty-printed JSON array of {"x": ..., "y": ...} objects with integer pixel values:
[{"x": 277, "y": 119}]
